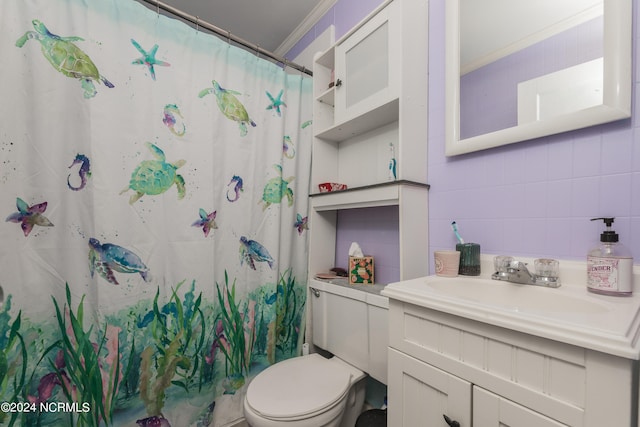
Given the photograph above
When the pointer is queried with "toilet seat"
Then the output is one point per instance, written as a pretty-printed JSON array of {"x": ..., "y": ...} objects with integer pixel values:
[{"x": 298, "y": 388}]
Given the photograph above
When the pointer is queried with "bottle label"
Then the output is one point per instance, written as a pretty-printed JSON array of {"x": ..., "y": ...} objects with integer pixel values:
[{"x": 611, "y": 274}]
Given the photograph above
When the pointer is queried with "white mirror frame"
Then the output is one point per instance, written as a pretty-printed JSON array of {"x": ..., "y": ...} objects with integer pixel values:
[{"x": 617, "y": 86}]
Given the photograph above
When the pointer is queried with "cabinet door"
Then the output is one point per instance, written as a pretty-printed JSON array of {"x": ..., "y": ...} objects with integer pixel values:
[
  {"x": 420, "y": 394},
  {"x": 491, "y": 410},
  {"x": 367, "y": 62}
]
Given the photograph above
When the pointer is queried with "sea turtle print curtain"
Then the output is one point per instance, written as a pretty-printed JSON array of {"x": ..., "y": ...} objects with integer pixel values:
[{"x": 154, "y": 184}]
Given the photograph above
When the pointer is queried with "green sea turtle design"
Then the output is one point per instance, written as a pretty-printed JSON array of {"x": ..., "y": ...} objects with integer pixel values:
[
  {"x": 106, "y": 258},
  {"x": 66, "y": 57},
  {"x": 230, "y": 106},
  {"x": 154, "y": 177},
  {"x": 276, "y": 189}
]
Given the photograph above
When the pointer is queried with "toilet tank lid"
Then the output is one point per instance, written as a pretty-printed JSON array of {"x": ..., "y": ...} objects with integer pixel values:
[{"x": 298, "y": 387}]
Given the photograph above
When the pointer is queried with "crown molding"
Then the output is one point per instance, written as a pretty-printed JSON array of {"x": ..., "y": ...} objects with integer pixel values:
[{"x": 303, "y": 28}]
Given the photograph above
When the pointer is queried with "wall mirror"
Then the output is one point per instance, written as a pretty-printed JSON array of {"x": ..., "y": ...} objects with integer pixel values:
[{"x": 518, "y": 69}]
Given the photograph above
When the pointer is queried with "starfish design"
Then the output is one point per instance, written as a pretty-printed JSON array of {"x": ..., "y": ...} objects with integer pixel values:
[
  {"x": 206, "y": 221},
  {"x": 276, "y": 103},
  {"x": 28, "y": 216},
  {"x": 301, "y": 223},
  {"x": 148, "y": 58}
]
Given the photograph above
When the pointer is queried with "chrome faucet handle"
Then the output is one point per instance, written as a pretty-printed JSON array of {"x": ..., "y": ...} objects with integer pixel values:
[
  {"x": 512, "y": 265},
  {"x": 500, "y": 264},
  {"x": 547, "y": 267},
  {"x": 547, "y": 272},
  {"x": 517, "y": 266},
  {"x": 510, "y": 270},
  {"x": 519, "y": 273}
]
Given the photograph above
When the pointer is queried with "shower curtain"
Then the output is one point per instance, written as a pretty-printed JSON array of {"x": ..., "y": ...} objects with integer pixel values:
[{"x": 154, "y": 181}]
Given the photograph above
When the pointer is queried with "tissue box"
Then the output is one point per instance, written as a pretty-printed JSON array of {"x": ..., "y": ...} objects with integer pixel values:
[{"x": 361, "y": 270}]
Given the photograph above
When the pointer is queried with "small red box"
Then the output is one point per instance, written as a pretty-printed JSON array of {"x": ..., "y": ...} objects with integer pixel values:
[{"x": 327, "y": 187}]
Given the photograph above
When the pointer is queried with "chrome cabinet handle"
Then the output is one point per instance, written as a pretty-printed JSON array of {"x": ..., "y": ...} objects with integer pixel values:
[
  {"x": 316, "y": 293},
  {"x": 338, "y": 83}
]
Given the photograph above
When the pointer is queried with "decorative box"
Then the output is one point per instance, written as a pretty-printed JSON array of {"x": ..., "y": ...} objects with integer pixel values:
[
  {"x": 327, "y": 187},
  {"x": 361, "y": 270}
]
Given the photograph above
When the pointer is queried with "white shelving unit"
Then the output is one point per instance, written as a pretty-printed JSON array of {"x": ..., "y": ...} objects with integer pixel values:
[{"x": 370, "y": 91}]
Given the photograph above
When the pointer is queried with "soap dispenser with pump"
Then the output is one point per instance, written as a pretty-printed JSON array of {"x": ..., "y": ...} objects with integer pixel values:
[{"x": 610, "y": 265}]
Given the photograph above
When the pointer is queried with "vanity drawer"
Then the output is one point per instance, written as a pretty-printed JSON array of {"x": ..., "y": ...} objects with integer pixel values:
[{"x": 567, "y": 383}]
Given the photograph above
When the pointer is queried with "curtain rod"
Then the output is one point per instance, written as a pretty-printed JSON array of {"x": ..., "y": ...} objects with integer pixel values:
[{"x": 227, "y": 35}]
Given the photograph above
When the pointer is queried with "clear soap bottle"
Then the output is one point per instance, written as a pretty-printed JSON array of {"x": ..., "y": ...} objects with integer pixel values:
[{"x": 610, "y": 265}]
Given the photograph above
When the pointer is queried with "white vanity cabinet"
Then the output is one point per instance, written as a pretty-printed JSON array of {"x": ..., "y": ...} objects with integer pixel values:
[
  {"x": 484, "y": 375},
  {"x": 425, "y": 393},
  {"x": 492, "y": 410},
  {"x": 370, "y": 105}
]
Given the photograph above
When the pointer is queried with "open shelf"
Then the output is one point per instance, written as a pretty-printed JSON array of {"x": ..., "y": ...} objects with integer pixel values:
[
  {"x": 327, "y": 58},
  {"x": 328, "y": 96},
  {"x": 368, "y": 196},
  {"x": 377, "y": 117}
]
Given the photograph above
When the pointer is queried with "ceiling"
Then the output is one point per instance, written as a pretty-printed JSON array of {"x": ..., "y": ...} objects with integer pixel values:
[{"x": 266, "y": 23}]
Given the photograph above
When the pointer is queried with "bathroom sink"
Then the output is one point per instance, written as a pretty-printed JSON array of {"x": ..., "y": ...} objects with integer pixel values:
[
  {"x": 519, "y": 298},
  {"x": 567, "y": 314}
]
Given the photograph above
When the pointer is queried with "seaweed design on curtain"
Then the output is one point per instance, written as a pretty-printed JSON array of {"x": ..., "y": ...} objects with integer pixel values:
[{"x": 156, "y": 308}]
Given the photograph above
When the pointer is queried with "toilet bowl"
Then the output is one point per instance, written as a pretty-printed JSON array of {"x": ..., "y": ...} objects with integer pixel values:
[
  {"x": 314, "y": 391},
  {"x": 306, "y": 391}
]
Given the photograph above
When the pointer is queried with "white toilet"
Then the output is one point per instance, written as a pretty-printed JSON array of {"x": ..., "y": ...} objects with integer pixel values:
[{"x": 313, "y": 391}]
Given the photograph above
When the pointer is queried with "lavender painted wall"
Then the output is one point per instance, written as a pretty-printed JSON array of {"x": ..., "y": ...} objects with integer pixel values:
[
  {"x": 376, "y": 231},
  {"x": 489, "y": 95},
  {"x": 532, "y": 198}
]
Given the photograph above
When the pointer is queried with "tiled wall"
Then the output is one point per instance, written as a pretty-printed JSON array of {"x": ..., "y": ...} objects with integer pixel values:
[
  {"x": 532, "y": 198},
  {"x": 529, "y": 199},
  {"x": 489, "y": 94}
]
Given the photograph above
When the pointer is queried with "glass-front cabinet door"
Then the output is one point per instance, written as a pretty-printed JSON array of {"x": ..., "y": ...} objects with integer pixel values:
[{"x": 367, "y": 66}]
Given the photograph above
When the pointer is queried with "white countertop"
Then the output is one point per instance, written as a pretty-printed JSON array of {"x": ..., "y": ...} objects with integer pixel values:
[
  {"x": 370, "y": 294},
  {"x": 569, "y": 314}
]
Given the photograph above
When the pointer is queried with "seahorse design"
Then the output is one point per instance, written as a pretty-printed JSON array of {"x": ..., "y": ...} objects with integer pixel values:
[
  {"x": 237, "y": 188},
  {"x": 84, "y": 172}
]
